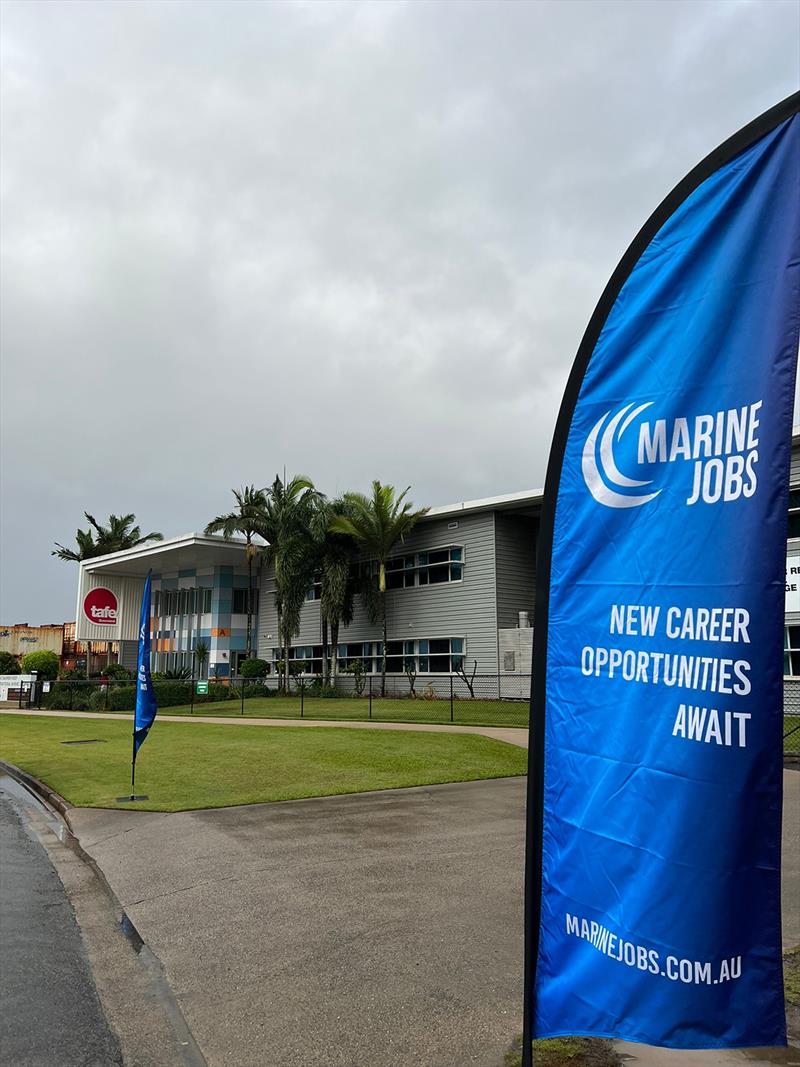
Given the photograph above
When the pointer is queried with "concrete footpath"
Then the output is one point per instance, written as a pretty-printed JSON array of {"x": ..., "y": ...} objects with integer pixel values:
[
  {"x": 379, "y": 928},
  {"x": 512, "y": 735}
]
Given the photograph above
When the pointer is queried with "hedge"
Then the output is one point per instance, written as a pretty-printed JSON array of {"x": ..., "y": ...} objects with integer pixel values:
[{"x": 122, "y": 697}]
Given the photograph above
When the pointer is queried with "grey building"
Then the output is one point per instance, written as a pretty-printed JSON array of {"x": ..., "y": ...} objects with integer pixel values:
[{"x": 460, "y": 592}]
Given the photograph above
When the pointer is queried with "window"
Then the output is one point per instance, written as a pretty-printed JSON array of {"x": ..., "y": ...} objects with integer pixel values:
[
  {"x": 441, "y": 565},
  {"x": 181, "y": 601},
  {"x": 400, "y": 572},
  {"x": 791, "y": 651},
  {"x": 303, "y": 659},
  {"x": 315, "y": 592},
  {"x": 369, "y": 652},
  {"x": 794, "y": 513},
  {"x": 240, "y": 600},
  {"x": 435, "y": 655},
  {"x": 435, "y": 566}
]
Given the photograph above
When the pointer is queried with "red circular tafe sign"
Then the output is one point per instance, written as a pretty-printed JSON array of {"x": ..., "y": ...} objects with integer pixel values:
[{"x": 100, "y": 606}]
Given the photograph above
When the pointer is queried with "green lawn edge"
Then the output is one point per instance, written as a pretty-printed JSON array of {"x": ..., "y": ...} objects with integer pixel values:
[{"x": 182, "y": 769}]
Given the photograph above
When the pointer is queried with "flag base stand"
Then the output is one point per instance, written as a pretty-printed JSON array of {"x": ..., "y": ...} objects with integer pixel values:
[{"x": 128, "y": 799}]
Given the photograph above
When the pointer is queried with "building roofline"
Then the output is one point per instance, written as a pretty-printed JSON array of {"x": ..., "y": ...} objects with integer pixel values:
[
  {"x": 506, "y": 501},
  {"x": 155, "y": 548}
]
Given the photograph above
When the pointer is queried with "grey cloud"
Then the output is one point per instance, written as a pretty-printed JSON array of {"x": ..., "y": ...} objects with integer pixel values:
[{"x": 361, "y": 240}]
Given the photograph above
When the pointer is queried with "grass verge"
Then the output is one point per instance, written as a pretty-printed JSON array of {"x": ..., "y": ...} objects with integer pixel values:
[
  {"x": 566, "y": 1052},
  {"x": 182, "y": 767}
]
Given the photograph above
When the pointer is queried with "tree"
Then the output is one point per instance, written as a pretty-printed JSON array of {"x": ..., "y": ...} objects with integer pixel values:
[
  {"x": 286, "y": 527},
  {"x": 253, "y": 668},
  {"x": 335, "y": 554},
  {"x": 376, "y": 524},
  {"x": 45, "y": 664},
  {"x": 121, "y": 533},
  {"x": 201, "y": 655},
  {"x": 9, "y": 664},
  {"x": 246, "y": 519}
]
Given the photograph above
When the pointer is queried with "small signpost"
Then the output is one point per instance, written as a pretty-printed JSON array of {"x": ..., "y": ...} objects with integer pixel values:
[{"x": 202, "y": 689}]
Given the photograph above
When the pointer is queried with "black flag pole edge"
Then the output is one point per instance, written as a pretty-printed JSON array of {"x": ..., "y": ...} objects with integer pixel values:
[{"x": 720, "y": 156}]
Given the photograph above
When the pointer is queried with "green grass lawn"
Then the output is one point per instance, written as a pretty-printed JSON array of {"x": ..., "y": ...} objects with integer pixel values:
[
  {"x": 183, "y": 766},
  {"x": 467, "y": 712}
]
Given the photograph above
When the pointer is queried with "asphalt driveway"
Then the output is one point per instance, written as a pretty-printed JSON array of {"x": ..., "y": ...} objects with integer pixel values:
[{"x": 372, "y": 930}]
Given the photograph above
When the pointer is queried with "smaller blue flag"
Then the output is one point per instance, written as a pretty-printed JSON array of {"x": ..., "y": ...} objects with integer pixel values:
[{"x": 146, "y": 706}]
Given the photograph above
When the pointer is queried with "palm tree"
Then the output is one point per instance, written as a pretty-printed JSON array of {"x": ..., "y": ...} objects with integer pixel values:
[
  {"x": 201, "y": 655},
  {"x": 376, "y": 524},
  {"x": 245, "y": 519},
  {"x": 335, "y": 555},
  {"x": 121, "y": 533},
  {"x": 286, "y": 527}
]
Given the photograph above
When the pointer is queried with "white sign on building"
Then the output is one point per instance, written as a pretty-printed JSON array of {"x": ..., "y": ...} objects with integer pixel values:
[{"x": 792, "y": 584}]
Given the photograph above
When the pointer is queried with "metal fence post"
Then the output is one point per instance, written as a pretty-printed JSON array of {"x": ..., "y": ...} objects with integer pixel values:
[
  {"x": 19, "y": 694},
  {"x": 370, "y": 696},
  {"x": 302, "y": 685},
  {"x": 71, "y": 686},
  {"x": 451, "y": 699},
  {"x": 191, "y": 696},
  {"x": 242, "y": 684}
]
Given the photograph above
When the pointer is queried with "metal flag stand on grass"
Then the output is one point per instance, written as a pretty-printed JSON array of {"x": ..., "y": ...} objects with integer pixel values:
[{"x": 146, "y": 706}]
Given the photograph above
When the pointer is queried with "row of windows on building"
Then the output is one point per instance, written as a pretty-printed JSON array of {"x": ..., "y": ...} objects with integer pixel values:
[
  {"x": 197, "y": 601},
  {"x": 434, "y": 655},
  {"x": 435, "y": 566}
]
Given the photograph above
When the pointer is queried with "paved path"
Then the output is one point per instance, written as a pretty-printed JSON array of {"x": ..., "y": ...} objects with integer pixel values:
[
  {"x": 350, "y": 931},
  {"x": 510, "y": 734},
  {"x": 50, "y": 1013}
]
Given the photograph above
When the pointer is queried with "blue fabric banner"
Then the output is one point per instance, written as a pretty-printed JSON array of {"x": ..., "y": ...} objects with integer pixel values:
[
  {"x": 660, "y": 667},
  {"x": 146, "y": 707}
]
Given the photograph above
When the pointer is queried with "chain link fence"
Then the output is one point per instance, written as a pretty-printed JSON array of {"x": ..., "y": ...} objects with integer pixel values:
[
  {"x": 791, "y": 718},
  {"x": 487, "y": 699},
  {"x": 478, "y": 700}
]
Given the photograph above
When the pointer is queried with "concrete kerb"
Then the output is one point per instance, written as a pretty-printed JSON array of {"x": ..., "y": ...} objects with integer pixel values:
[
  {"x": 186, "y": 1049},
  {"x": 49, "y": 796}
]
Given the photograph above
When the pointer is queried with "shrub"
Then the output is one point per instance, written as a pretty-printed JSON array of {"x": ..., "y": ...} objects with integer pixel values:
[
  {"x": 317, "y": 688},
  {"x": 216, "y": 691},
  {"x": 63, "y": 696},
  {"x": 251, "y": 689},
  {"x": 9, "y": 664},
  {"x": 43, "y": 662},
  {"x": 116, "y": 670},
  {"x": 169, "y": 694},
  {"x": 253, "y": 668},
  {"x": 358, "y": 671}
]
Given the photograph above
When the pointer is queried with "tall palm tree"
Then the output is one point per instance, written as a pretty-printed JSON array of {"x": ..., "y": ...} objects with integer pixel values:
[
  {"x": 376, "y": 524},
  {"x": 335, "y": 554},
  {"x": 286, "y": 527},
  {"x": 245, "y": 519},
  {"x": 121, "y": 533}
]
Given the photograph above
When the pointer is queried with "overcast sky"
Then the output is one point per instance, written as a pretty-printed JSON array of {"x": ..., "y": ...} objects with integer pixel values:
[{"x": 358, "y": 240}]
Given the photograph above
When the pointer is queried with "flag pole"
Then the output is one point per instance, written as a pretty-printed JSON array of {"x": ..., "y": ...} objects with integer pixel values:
[{"x": 146, "y": 707}]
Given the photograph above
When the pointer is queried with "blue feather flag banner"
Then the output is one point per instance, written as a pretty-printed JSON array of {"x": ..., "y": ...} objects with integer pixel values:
[
  {"x": 655, "y": 786},
  {"x": 146, "y": 706}
]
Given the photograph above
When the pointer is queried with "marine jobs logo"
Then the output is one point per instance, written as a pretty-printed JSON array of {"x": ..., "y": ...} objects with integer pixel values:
[
  {"x": 713, "y": 457},
  {"x": 100, "y": 607}
]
